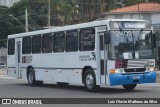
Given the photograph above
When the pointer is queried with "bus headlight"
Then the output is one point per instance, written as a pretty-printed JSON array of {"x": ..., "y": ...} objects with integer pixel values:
[
  {"x": 151, "y": 69},
  {"x": 113, "y": 71}
]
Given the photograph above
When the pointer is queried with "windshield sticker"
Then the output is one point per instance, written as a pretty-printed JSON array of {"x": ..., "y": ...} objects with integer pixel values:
[{"x": 127, "y": 55}]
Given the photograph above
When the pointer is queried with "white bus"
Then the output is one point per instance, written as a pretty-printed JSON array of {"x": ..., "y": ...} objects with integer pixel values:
[{"x": 99, "y": 53}]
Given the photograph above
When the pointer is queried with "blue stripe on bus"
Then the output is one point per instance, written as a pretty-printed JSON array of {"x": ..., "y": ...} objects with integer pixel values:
[{"x": 120, "y": 79}]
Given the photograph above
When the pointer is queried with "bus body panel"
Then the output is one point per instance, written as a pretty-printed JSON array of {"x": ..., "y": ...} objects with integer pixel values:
[
  {"x": 126, "y": 79},
  {"x": 11, "y": 66}
]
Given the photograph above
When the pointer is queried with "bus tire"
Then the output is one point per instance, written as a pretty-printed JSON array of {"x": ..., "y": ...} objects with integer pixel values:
[
  {"x": 90, "y": 81},
  {"x": 31, "y": 78},
  {"x": 129, "y": 87},
  {"x": 62, "y": 83}
]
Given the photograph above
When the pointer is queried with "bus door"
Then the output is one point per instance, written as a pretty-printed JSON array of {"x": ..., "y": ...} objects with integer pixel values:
[
  {"x": 103, "y": 59},
  {"x": 18, "y": 52}
]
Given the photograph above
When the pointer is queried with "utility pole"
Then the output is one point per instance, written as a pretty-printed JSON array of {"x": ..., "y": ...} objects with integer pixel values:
[
  {"x": 26, "y": 25},
  {"x": 49, "y": 13},
  {"x": 82, "y": 12},
  {"x": 139, "y": 12}
]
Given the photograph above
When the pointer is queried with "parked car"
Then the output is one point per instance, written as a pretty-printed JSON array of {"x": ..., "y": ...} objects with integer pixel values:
[{"x": 2, "y": 65}]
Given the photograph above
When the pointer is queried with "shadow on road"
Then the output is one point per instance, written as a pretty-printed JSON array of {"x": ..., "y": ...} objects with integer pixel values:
[{"x": 102, "y": 90}]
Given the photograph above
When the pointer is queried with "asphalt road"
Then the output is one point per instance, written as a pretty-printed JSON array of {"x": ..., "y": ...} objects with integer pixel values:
[{"x": 13, "y": 88}]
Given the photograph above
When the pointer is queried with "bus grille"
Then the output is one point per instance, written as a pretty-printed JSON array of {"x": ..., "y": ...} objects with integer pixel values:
[{"x": 135, "y": 70}]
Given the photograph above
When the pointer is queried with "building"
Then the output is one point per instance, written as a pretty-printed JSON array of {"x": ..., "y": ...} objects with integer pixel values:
[
  {"x": 144, "y": 11},
  {"x": 8, "y": 3}
]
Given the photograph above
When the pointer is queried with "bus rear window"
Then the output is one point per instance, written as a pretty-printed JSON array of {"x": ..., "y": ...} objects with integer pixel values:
[{"x": 11, "y": 46}]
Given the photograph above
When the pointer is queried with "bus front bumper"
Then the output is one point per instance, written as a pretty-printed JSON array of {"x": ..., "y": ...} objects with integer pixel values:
[{"x": 125, "y": 79}]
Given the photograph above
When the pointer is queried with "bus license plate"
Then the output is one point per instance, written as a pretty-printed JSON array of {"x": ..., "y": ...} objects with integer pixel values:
[{"x": 136, "y": 77}]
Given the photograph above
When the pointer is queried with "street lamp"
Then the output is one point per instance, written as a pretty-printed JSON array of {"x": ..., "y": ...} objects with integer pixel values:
[{"x": 18, "y": 21}]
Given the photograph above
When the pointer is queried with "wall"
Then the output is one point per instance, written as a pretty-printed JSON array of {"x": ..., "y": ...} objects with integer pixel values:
[{"x": 3, "y": 55}]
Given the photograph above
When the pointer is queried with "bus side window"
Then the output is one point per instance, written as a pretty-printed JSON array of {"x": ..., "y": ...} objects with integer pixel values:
[
  {"x": 72, "y": 41},
  {"x": 26, "y": 45},
  {"x": 47, "y": 43},
  {"x": 87, "y": 39},
  {"x": 11, "y": 46},
  {"x": 36, "y": 44},
  {"x": 58, "y": 42}
]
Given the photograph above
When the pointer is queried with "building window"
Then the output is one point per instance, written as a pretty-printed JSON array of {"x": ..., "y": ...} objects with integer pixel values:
[
  {"x": 87, "y": 39},
  {"x": 11, "y": 46},
  {"x": 118, "y": 16},
  {"x": 147, "y": 17},
  {"x": 58, "y": 42},
  {"x": 36, "y": 44},
  {"x": 26, "y": 45},
  {"x": 47, "y": 43},
  {"x": 72, "y": 41},
  {"x": 131, "y": 16}
]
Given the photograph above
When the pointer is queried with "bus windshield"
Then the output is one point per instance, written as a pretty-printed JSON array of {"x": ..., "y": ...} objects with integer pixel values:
[{"x": 130, "y": 45}]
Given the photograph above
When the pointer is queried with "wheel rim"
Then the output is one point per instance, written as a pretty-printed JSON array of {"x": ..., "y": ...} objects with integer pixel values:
[
  {"x": 89, "y": 81},
  {"x": 30, "y": 77}
]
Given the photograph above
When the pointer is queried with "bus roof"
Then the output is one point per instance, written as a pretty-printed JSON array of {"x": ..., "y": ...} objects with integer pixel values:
[{"x": 99, "y": 22}]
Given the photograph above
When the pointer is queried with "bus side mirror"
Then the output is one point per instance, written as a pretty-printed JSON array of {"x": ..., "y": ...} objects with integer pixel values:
[{"x": 106, "y": 37}]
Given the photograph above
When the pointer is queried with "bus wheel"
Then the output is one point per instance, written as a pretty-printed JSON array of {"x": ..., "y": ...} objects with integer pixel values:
[
  {"x": 129, "y": 87},
  {"x": 31, "y": 78},
  {"x": 62, "y": 83},
  {"x": 90, "y": 80}
]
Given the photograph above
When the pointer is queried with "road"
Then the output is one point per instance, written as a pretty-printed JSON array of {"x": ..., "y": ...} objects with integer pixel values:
[{"x": 13, "y": 88}]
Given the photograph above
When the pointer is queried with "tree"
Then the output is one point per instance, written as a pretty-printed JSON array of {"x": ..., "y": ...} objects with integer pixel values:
[
  {"x": 157, "y": 1},
  {"x": 5, "y": 25},
  {"x": 90, "y": 9},
  {"x": 8, "y": 24},
  {"x": 133, "y": 2},
  {"x": 62, "y": 12}
]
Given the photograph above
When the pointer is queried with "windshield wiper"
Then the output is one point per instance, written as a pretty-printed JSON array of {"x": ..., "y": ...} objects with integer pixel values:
[{"x": 120, "y": 28}]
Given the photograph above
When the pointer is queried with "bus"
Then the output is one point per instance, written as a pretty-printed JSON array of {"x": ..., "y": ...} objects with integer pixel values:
[{"x": 94, "y": 54}]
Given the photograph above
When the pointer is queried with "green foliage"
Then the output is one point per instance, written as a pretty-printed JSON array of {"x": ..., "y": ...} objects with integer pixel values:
[
  {"x": 133, "y": 2},
  {"x": 113, "y": 4},
  {"x": 63, "y": 12},
  {"x": 158, "y": 1}
]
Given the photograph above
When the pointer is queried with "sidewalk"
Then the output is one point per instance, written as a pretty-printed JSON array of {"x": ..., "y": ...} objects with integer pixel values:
[{"x": 3, "y": 72}]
